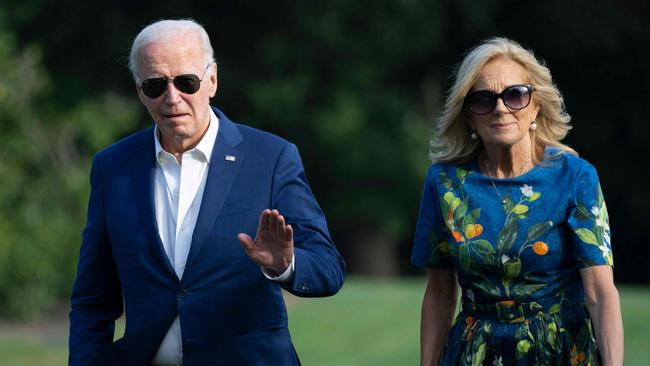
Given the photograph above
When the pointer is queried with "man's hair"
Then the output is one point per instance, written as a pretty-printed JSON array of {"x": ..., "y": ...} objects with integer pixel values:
[
  {"x": 165, "y": 30},
  {"x": 452, "y": 142}
]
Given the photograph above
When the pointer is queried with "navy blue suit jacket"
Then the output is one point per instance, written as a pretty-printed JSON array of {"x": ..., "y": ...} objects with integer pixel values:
[{"x": 230, "y": 314}]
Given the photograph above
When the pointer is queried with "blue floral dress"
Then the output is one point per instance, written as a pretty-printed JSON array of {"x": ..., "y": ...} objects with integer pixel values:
[{"x": 517, "y": 245}]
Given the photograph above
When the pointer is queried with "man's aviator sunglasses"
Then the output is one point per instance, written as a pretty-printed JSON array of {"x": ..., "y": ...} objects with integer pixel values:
[
  {"x": 515, "y": 97},
  {"x": 186, "y": 83}
]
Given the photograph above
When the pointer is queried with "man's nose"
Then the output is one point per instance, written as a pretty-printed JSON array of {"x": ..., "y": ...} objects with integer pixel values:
[{"x": 171, "y": 94}]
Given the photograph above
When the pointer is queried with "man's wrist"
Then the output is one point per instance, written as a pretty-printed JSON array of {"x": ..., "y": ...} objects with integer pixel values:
[{"x": 284, "y": 277}]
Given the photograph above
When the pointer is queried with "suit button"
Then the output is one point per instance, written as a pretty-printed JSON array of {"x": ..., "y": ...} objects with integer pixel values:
[{"x": 182, "y": 292}]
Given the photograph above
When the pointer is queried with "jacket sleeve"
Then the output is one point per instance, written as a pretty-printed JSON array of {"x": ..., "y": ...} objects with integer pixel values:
[
  {"x": 96, "y": 300},
  {"x": 319, "y": 268}
]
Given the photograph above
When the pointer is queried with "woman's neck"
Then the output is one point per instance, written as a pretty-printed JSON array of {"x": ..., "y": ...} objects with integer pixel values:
[{"x": 506, "y": 161}]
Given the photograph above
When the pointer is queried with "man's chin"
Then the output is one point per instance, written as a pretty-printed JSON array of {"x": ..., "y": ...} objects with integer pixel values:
[
  {"x": 180, "y": 136},
  {"x": 178, "y": 133}
]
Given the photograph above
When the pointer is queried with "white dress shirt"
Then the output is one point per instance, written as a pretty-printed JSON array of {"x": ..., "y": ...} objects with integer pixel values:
[{"x": 178, "y": 194}]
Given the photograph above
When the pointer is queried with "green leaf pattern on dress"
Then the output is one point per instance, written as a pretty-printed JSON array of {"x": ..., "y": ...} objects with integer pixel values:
[
  {"x": 548, "y": 337},
  {"x": 541, "y": 341},
  {"x": 599, "y": 234},
  {"x": 463, "y": 235}
]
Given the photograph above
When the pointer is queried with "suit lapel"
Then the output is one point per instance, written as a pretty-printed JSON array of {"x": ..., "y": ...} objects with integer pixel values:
[
  {"x": 143, "y": 168},
  {"x": 224, "y": 165}
]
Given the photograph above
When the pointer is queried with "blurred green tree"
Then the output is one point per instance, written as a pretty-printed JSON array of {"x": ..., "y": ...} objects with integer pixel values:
[
  {"x": 337, "y": 78},
  {"x": 356, "y": 85},
  {"x": 337, "y": 81},
  {"x": 45, "y": 152}
]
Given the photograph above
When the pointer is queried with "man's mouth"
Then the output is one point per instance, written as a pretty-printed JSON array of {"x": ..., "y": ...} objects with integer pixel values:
[{"x": 174, "y": 115}]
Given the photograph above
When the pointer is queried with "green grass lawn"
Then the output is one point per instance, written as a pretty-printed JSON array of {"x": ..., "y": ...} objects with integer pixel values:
[
  {"x": 367, "y": 323},
  {"x": 370, "y": 322}
]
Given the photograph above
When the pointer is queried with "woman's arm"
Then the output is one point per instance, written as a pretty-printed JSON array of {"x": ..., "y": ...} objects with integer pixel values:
[
  {"x": 438, "y": 310},
  {"x": 605, "y": 310}
]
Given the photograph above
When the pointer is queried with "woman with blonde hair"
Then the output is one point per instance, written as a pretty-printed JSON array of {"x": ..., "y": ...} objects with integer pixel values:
[{"x": 518, "y": 220}]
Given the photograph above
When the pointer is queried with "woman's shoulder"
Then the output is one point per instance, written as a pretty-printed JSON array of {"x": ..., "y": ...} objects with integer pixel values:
[
  {"x": 567, "y": 162},
  {"x": 438, "y": 168},
  {"x": 446, "y": 166}
]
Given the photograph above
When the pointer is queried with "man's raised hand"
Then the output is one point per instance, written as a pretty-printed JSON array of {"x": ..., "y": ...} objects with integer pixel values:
[{"x": 272, "y": 247}]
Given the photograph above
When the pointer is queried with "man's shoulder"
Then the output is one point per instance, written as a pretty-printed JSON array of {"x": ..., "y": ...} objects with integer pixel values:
[
  {"x": 259, "y": 138},
  {"x": 248, "y": 137}
]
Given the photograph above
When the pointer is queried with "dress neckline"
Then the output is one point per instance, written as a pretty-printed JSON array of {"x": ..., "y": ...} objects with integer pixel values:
[{"x": 473, "y": 164}]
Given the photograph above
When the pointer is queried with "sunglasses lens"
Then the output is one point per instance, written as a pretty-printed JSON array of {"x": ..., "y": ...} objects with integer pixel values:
[
  {"x": 516, "y": 97},
  {"x": 153, "y": 88},
  {"x": 188, "y": 84},
  {"x": 481, "y": 102}
]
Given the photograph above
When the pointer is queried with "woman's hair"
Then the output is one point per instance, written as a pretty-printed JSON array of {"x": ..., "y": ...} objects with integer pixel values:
[
  {"x": 165, "y": 30},
  {"x": 452, "y": 142}
]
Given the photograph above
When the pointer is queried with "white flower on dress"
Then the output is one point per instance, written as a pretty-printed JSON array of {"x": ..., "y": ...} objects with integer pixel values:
[
  {"x": 595, "y": 211},
  {"x": 504, "y": 258},
  {"x": 601, "y": 221},
  {"x": 527, "y": 190},
  {"x": 608, "y": 239},
  {"x": 470, "y": 295},
  {"x": 605, "y": 249},
  {"x": 498, "y": 361}
]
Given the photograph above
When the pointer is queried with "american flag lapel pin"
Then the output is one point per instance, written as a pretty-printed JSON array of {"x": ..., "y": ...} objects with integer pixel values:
[{"x": 230, "y": 157}]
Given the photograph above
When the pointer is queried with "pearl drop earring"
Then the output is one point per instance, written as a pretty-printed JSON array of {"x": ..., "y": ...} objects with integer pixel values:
[
  {"x": 533, "y": 126},
  {"x": 473, "y": 135}
]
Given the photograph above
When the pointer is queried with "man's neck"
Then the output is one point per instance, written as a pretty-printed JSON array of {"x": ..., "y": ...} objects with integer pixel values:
[{"x": 177, "y": 145}]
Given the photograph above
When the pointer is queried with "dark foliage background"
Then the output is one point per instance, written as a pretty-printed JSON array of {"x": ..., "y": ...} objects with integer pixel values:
[{"x": 355, "y": 84}]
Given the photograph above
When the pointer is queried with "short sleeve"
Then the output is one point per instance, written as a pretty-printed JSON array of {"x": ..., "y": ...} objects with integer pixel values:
[
  {"x": 430, "y": 249},
  {"x": 589, "y": 221}
]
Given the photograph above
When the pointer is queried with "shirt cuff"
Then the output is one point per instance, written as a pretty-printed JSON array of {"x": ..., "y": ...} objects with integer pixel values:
[{"x": 286, "y": 276}]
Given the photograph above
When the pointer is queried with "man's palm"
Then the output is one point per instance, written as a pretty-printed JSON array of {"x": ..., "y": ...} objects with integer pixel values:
[{"x": 273, "y": 244}]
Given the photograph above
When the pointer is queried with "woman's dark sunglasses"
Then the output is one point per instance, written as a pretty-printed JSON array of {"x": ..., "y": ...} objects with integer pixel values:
[
  {"x": 186, "y": 83},
  {"x": 515, "y": 97}
]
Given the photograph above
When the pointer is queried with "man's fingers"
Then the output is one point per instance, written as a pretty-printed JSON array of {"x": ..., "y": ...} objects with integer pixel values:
[
  {"x": 273, "y": 222},
  {"x": 280, "y": 226},
  {"x": 274, "y": 238},
  {"x": 249, "y": 247},
  {"x": 246, "y": 241},
  {"x": 288, "y": 233},
  {"x": 264, "y": 220},
  {"x": 273, "y": 230}
]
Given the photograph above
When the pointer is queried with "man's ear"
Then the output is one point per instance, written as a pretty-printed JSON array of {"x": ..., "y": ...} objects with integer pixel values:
[
  {"x": 140, "y": 95},
  {"x": 214, "y": 80}
]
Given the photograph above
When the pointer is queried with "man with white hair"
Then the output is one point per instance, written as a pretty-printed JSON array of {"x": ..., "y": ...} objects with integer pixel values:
[{"x": 194, "y": 227}]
